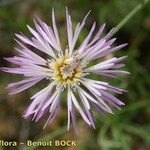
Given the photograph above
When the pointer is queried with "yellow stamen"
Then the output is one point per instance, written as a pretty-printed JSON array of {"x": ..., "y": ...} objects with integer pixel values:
[{"x": 66, "y": 70}]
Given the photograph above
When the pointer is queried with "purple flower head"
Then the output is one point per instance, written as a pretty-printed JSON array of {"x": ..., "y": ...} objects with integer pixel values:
[{"x": 66, "y": 70}]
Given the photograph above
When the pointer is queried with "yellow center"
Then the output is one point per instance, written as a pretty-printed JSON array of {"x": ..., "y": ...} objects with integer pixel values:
[{"x": 66, "y": 70}]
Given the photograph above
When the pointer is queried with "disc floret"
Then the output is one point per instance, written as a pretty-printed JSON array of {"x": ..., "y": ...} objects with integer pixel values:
[{"x": 66, "y": 69}]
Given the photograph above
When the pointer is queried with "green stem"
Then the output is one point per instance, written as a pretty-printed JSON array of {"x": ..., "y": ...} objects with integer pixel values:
[{"x": 130, "y": 15}]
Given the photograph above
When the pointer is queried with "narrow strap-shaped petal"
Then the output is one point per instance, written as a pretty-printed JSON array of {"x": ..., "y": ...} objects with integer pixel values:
[
  {"x": 112, "y": 98},
  {"x": 45, "y": 36},
  {"x": 52, "y": 99},
  {"x": 75, "y": 102},
  {"x": 48, "y": 88},
  {"x": 22, "y": 85},
  {"x": 85, "y": 42},
  {"x": 78, "y": 30},
  {"x": 73, "y": 117},
  {"x": 84, "y": 100},
  {"x": 55, "y": 29},
  {"x": 47, "y": 47},
  {"x": 55, "y": 102},
  {"x": 36, "y": 44},
  {"x": 97, "y": 36},
  {"x": 69, "y": 31},
  {"x": 87, "y": 108},
  {"x": 48, "y": 31},
  {"x": 111, "y": 50},
  {"x": 69, "y": 104},
  {"x": 100, "y": 102},
  {"x": 39, "y": 100},
  {"x": 52, "y": 115}
]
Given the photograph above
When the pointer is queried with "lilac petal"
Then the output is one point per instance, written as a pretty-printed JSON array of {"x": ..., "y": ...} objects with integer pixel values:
[
  {"x": 91, "y": 118},
  {"x": 52, "y": 98},
  {"x": 105, "y": 50},
  {"x": 83, "y": 92},
  {"x": 79, "y": 108},
  {"x": 12, "y": 70},
  {"x": 91, "y": 50},
  {"x": 55, "y": 30},
  {"x": 28, "y": 69},
  {"x": 100, "y": 102},
  {"x": 110, "y": 42},
  {"x": 85, "y": 42},
  {"x": 69, "y": 30},
  {"x": 38, "y": 44},
  {"x": 97, "y": 36},
  {"x": 12, "y": 60},
  {"x": 73, "y": 117},
  {"x": 52, "y": 116},
  {"x": 39, "y": 100},
  {"x": 47, "y": 89},
  {"x": 20, "y": 61},
  {"x": 106, "y": 75},
  {"x": 111, "y": 98},
  {"x": 40, "y": 114},
  {"x": 84, "y": 100},
  {"x": 120, "y": 59},
  {"x": 46, "y": 46},
  {"x": 98, "y": 108},
  {"x": 78, "y": 30},
  {"x": 101, "y": 85},
  {"x": 115, "y": 89},
  {"x": 112, "y": 60},
  {"x": 45, "y": 36},
  {"x": 117, "y": 66},
  {"x": 94, "y": 55},
  {"x": 109, "y": 33},
  {"x": 99, "y": 67},
  {"x": 95, "y": 81},
  {"x": 92, "y": 85},
  {"x": 111, "y": 50},
  {"x": 75, "y": 36},
  {"x": 25, "y": 40},
  {"x": 68, "y": 124},
  {"x": 48, "y": 31},
  {"x": 31, "y": 55},
  {"x": 107, "y": 64},
  {"x": 97, "y": 86},
  {"x": 69, "y": 104},
  {"x": 55, "y": 102},
  {"x": 114, "y": 71},
  {"x": 87, "y": 108},
  {"x": 22, "y": 82},
  {"x": 24, "y": 86}
]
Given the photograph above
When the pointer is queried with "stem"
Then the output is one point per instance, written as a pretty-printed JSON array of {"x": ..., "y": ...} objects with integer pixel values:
[{"x": 129, "y": 16}]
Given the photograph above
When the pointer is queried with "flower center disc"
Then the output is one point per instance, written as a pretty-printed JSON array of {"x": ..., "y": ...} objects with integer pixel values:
[{"x": 66, "y": 70}]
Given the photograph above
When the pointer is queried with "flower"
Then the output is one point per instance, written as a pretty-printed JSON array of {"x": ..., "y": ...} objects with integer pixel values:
[{"x": 66, "y": 71}]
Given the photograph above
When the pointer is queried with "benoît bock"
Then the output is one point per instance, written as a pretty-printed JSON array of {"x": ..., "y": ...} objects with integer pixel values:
[{"x": 5, "y": 143}]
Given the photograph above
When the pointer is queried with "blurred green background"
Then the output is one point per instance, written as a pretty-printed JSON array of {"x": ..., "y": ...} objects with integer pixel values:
[{"x": 129, "y": 129}]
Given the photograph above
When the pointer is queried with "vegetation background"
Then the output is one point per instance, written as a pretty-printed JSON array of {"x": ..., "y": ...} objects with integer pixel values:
[{"x": 129, "y": 129}]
